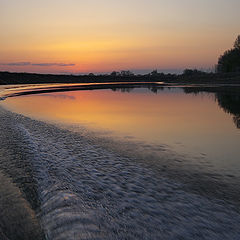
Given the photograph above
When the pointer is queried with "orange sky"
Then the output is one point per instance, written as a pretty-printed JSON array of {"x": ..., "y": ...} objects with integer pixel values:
[{"x": 101, "y": 36}]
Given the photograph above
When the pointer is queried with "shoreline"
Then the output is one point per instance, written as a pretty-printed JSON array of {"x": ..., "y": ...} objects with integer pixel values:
[
  {"x": 199, "y": 78},
  {"x": 29, "y": 89}
]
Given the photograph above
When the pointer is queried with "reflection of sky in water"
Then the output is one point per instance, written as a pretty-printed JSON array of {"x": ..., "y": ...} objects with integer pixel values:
[
  {"x": 191, "y": 124},
  {"x": 61, "y": 96}
]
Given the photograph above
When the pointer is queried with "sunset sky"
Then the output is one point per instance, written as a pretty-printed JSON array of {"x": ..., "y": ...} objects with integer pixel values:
[{"x": 75, "y": 36}]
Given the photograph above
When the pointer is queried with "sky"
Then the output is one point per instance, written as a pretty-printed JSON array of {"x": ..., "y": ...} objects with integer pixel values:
[{"x": 76, "y": 36}]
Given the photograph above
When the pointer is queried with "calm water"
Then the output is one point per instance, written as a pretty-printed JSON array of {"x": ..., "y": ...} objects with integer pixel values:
[
  {"x": 129, "y": 163},
  {"x": 192, "y": 124}
]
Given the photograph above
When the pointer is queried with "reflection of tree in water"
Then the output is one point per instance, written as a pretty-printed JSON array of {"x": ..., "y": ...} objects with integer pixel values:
[
  {"x": 156, "y": 89},
  {"x": 153, "y": 88},
  {"x": 123, "y": 89},
  {"x": 230, "y": 102},
  {"x": 228, "y": 99},
  {"x": 236, "y": 120}
]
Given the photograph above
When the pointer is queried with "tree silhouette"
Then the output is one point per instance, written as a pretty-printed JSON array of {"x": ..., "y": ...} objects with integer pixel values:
[
  {"x": 114, "y": 74},
  {"x": 192, "y": 72},
  {"x": 126, "y": 73},
  {"x": 230, "y": 60},
  {"x": 237, "y": 43}
]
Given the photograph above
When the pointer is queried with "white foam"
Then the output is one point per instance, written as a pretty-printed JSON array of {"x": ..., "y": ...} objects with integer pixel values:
[{"x": 91, "y": 192}]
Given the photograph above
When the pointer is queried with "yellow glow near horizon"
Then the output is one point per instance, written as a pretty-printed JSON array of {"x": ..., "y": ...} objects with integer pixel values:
[{"x": 106, "y": 35}]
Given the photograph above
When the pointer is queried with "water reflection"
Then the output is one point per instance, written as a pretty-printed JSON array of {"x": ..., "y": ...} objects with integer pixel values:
[
  {"x": 228, "y": 98},
  {"x": 153, "y": 88},
  {"x": 230, "y": 102}
]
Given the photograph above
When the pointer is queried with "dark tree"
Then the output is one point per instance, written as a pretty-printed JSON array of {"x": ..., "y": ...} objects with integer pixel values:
[
  {"x": 237, "y": 43},
  {"x": 192, "y": 72},
  {"x": 154, "y": 73},
  {"x": 230, "y": 60},
  {"x": 114, "y": 74},
  {"x": 126, "y": 73}
]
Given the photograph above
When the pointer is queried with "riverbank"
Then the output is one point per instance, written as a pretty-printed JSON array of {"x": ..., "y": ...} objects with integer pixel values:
[{"x": 193, "y": 78}]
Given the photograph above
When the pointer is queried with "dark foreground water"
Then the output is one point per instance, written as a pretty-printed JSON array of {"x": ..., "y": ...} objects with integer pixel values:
[{"x": 62, "y": 181}]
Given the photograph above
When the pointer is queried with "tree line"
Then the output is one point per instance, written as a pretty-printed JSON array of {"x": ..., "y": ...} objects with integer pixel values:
[{"x": 230, "y": 60}]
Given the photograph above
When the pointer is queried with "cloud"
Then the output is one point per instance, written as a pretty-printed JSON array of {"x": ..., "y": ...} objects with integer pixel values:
[
  {"x": 17, "y": 64},
  {"x": 53, "y": 64},
  {"x": 21, "y": 64}
]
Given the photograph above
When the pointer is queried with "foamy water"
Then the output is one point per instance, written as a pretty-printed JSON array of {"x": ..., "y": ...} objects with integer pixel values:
[{"x": 86, "y": 191}]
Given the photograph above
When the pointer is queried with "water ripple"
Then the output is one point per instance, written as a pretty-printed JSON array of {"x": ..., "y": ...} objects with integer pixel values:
[{"x": 89, "y": 192}]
